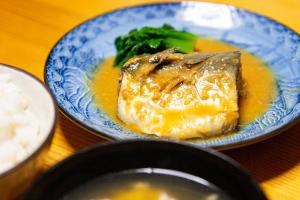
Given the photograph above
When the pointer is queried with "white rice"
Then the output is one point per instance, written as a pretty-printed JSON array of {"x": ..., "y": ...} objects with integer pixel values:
[{"x": 19, "y": 127}]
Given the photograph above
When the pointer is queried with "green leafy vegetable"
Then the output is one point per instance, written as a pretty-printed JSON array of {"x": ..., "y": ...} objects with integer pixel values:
[{"x": 150, "y": 40}]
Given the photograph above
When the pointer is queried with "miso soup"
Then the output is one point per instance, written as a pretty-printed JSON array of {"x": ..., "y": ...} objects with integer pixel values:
[{"x": 147, "y": 184}]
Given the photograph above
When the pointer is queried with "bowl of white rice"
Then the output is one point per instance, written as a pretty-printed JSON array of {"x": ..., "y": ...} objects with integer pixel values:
[{"x": 27, "y": 123}]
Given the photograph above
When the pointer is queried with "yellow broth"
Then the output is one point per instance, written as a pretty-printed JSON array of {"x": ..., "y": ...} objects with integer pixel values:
[
  {"x": 145, "y": 186},
  {"x": 258, "y": 83}
]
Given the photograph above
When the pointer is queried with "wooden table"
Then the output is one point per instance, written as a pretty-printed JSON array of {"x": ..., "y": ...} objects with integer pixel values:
[{"x": 30, "y": 28}]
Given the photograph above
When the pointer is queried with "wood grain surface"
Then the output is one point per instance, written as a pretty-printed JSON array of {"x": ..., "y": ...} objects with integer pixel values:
[{"x": 29, "y": 29}]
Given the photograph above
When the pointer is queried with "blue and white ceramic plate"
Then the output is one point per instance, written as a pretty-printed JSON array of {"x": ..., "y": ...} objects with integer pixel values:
[{"x": 76, "y": 56}]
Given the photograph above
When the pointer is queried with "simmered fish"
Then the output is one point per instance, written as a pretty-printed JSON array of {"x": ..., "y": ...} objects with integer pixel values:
[{"x": 181, "y": 96}]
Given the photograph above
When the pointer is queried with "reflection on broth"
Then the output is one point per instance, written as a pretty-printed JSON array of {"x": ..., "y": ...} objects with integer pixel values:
[
  {"x": 257, "y": 95},
  {"x": 145, "y": 186}
]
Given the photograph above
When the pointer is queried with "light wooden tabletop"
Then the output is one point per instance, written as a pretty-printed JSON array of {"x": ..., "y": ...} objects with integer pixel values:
[{"x": 30, "y": 28}]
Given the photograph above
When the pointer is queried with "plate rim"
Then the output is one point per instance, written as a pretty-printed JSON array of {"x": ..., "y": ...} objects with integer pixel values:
[{"x": 103, "y": 132}]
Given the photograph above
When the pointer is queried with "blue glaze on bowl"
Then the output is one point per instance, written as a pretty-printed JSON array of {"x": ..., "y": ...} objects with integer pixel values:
[{"x": 75, "y": 57}]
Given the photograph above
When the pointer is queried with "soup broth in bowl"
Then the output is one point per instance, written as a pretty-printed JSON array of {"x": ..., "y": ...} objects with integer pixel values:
[{"x": 147, "y": 183}]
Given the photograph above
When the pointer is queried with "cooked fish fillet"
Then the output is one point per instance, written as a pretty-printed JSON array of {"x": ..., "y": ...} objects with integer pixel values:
[{"x": 180, "y": 96}]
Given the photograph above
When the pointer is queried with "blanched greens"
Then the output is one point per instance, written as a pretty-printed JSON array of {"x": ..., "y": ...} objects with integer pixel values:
[{"x": 149, "y": 40}]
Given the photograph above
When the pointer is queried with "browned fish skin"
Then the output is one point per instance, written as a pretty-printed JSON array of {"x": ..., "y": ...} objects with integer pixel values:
[{"x": 167, "y": 72}]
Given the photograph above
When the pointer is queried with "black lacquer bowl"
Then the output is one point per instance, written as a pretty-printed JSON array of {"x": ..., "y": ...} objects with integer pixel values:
[{"x": 105, "y": 159}]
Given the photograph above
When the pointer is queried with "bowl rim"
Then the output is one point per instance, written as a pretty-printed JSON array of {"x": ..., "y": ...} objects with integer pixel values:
[
  {"x": 50, "y": 134},
  {"x": 103, "y": 132},
  {"x": 180, "y": 145}
]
